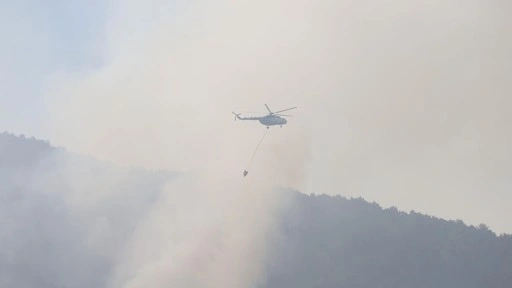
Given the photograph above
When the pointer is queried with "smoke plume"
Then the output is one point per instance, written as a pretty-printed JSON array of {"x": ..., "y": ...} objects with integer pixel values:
[{"x": 391, "y": 107}]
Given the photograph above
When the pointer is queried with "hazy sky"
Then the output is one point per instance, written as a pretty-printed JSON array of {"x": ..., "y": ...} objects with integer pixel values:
[
  {"x": 37, "y": 39},
  {"x": 405, "y": 103}
]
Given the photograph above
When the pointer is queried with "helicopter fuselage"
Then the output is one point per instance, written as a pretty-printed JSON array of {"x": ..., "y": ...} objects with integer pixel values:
[{"x": 272, "y": 120}]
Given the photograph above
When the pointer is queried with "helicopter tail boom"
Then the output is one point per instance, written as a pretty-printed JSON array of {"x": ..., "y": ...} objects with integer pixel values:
[{"x": 237, "y": 116}]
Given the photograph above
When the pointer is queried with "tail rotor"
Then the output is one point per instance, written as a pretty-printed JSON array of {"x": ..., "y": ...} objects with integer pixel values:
[{"x": 237, "y": 116}]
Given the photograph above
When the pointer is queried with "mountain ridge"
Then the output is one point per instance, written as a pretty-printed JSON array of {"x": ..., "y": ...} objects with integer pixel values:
[
  {"x": 48, "y": 147},
  {"x": 332, "y": 241},
  {"x": 81, "y": 213}
]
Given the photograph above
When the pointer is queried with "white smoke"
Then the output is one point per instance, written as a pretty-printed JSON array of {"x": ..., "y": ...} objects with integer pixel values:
[
  {"x": 164, "y": 100},
  {"x": 201, "y": 236},
  {"x": 390, "y": 108}
]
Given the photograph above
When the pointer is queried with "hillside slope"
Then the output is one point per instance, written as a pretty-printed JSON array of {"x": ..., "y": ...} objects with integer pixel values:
[
  {"x": 66, "y": 220},
  {"x": 337, "y": 242}
]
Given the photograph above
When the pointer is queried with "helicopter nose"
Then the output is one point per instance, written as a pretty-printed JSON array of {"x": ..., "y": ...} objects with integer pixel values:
[{"x": 285, "y": 121}]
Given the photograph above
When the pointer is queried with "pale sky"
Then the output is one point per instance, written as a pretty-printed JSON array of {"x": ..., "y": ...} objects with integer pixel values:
[{"x": 405, "y": 103}]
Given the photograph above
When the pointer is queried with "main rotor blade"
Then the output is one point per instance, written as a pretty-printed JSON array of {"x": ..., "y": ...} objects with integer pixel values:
[
  {"x": 268, "y": 109},
  {"x": 283, "y": 115},
  {"x": 285, "y": 110}
]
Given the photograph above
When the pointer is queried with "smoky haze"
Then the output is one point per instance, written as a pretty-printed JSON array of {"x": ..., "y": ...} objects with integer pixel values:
[
  {"x": 72, "y": 221},
  {"x": 402, "y": 103}
]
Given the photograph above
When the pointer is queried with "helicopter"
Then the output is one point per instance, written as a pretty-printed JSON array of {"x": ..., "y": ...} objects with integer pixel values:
[{"x": 271, "y": 119}]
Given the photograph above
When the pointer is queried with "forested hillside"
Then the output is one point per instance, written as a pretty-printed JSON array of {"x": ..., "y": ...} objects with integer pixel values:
[
  {"x": 66, "y": 220},
  {"x": 337, "y": 242}
]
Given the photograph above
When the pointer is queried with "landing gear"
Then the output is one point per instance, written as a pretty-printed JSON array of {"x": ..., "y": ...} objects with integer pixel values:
[
  {"x": 281, "y": 126},
  {"x": 267, "y": 127}
]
